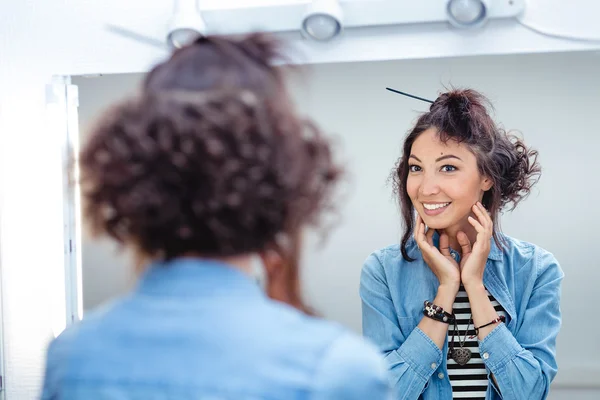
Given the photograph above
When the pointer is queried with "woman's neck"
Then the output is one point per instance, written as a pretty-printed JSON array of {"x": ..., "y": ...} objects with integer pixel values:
[
  {"x": 242, "y": 262},
  {"x": 453, "y": 230}
]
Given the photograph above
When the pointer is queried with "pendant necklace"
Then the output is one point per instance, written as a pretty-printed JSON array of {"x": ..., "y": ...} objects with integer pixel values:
[{"x": 461, "y": 354}]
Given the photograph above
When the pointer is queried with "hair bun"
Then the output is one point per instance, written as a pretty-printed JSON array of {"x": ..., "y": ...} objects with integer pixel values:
[
  {"x": 456, "y": 106},
  {"x": 458, "y": 102},
  {"x": 261, "y": 47}
]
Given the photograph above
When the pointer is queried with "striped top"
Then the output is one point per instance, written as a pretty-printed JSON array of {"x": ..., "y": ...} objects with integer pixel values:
[{"x": 468, "y": 381}]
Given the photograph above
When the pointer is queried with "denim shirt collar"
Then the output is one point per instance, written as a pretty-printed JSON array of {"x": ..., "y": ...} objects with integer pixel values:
[{"x": 193, "y": 277}]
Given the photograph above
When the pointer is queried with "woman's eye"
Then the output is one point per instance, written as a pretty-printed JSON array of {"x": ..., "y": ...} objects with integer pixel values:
[
  {"x": 414, "y": 168},
  {"x": 448, "y": 168}
]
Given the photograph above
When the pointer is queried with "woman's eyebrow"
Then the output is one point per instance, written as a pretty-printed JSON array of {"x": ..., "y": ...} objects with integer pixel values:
[{"x": 447, "y": 156}]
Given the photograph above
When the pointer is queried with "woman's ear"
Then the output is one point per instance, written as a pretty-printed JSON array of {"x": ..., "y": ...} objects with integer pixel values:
[
  {"x": 272, "y": 262},
  {"x": 276, "y": 275},
  {"x": 486, "y": 184}
]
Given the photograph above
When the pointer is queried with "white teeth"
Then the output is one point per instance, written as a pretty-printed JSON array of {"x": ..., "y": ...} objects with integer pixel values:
[{"x": 434, "y": 206}]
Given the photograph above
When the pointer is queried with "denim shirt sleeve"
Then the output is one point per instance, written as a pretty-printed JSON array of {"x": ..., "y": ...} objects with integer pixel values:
[
  {"x": 352, "y": 369},
  {"x": 524, "y": 364},
  {"x": 50, "y": 384},
  {"x": 411, "y": 359},
  {"x": 56, "y": 364}
]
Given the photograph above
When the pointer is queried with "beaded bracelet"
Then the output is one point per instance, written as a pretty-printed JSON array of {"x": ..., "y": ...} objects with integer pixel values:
[
  {"x": 437, "y": 313},
  {"x": 495, "y": 321}
]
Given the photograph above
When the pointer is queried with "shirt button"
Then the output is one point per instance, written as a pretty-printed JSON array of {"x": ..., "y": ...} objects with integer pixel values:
[
  {"x": 441, "y": 375},
  {"x": 433, "y": 365},
  {"x": 486, "y": 356}
]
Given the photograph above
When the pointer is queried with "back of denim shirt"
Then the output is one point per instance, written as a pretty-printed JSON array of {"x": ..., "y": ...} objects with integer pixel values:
[{"x": 202, "y": 330}]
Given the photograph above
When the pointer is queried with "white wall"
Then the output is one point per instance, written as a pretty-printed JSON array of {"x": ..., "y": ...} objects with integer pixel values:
[
  {"x": 551, "y": 99},
  {"x": 41, "y": 38}
]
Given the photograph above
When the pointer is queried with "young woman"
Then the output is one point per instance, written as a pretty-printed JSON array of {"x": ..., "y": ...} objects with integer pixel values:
[
  {"x": 459, "y": 309},
  {"x": 206, "y": 170}
]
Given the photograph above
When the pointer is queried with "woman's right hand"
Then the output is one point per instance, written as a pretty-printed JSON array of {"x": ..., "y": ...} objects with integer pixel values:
[{"x": 441, "y": 262}]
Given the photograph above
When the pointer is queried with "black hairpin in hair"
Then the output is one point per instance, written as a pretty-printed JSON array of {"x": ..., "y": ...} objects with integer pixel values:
[{"x": 409, "y": 95}]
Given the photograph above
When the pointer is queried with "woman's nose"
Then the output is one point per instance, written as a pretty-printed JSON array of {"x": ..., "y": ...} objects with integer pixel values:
[{"x": 429, "y": 186}]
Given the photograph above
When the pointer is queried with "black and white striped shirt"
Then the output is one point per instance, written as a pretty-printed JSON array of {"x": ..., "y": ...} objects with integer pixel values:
[{"x": 468, "y": 381}]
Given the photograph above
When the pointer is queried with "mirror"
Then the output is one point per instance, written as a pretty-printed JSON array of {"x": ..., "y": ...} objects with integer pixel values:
[{"x": 551, "y": 99}]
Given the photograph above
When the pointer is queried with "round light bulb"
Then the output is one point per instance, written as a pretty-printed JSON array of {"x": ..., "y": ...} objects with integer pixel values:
[
  {"x": 182, "y": 37},
  {"x": 466, "y": 12},
  {"x": 322, "y": 26}
]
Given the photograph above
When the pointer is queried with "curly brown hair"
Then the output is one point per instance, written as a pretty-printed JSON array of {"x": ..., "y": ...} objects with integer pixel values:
[
  {"x": 210, "y": 158},
  {"x": 462, "y": 115}
]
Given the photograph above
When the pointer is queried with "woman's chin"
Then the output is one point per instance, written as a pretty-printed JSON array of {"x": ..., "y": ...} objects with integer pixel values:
[
  {"x": 435, "y": 223},
  {"x": 437, "y": 227}
]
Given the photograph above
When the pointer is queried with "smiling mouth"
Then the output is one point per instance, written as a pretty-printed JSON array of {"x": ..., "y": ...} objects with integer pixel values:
[
  {"x": 432, "y": 207},
  {"x": 435, "y": 208}
]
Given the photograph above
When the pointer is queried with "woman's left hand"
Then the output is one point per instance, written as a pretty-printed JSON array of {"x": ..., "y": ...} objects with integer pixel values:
[{"x": 474, "y": 257}]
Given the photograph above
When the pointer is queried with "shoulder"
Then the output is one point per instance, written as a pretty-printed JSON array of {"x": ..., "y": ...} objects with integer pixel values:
[
  {"x": 388, "y": 261},
  {"x": 333, "y": 342},
  {"x": 64, "y": 351},
  {"x": 340, "y": 363},
  {"x": 60, "y": 351},
  {"x": 535, "y": 259},
  {"x": 71, "y": 336},
  {"x": 384, "y": 257},
  {"x": 288, "y": 328},
  {"x": 76, "y": 338},
  {"x": 351, "y": 368}
]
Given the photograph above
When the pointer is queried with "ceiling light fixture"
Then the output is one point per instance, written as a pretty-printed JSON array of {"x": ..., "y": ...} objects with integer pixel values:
[
  {"x": 468, "y": 13},
  {"x": 186, "y": 24},
  {"x": 323, "y": 20}
]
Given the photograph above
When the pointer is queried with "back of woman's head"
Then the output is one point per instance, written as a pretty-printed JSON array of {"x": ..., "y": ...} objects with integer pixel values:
[
  {"x": 463, "y": 116},
  {"x": 210, "y": 158}
]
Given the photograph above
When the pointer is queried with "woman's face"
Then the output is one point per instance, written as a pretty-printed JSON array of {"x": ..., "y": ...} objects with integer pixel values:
[{"x": 443, "y": 181}]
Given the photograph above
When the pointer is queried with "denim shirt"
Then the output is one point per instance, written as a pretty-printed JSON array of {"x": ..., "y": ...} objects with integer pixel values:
[
  {"x": 524, "y": 279},
  {"x": 203, "y": 330}
]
